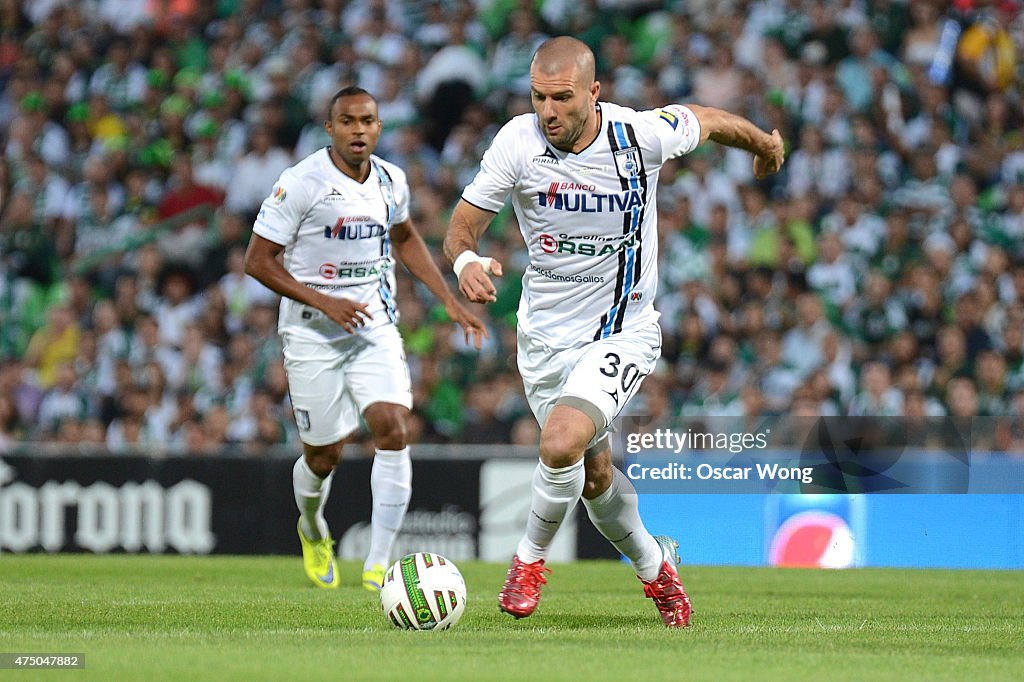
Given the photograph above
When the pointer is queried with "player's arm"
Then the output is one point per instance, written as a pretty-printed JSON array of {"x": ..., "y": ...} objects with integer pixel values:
[
  {"x": 261, "y": 262},
  {"x": 460, "y": 244},
  {"x": 411, "y": 250},
  {"x": 735, "y": 131}
]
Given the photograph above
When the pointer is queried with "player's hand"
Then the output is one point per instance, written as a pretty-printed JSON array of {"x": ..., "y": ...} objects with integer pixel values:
[
  {"x": 476, "y": 285},
  {"x": 770, "y": 160},
  {"x": 470, "y": 323},
  {"x": 349, "y": 314}
]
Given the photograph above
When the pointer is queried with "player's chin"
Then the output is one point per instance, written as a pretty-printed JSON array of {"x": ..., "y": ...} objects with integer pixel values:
[{"x": 557, "y": 139}]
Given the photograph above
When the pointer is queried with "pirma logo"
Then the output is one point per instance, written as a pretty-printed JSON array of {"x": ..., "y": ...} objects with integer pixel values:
[{"x": 548, "y": 158}]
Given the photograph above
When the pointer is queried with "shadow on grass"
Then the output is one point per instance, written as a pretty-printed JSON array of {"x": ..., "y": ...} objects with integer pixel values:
[{"x": 567, "y": 621}]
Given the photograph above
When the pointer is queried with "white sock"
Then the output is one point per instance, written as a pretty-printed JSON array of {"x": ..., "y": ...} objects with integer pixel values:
[
  {"x": 391, "y": 485},
  {"x": 311, "y": 493},
  {"x": 555, "y": 493},
  {"x": 614, "y": 512}
]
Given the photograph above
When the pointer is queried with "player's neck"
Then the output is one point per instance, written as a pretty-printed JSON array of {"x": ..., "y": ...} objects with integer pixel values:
[{"x": 358, "y": 173}]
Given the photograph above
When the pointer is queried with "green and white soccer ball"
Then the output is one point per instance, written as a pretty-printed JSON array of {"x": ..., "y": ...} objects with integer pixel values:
[{"x": 423, "y": 591}]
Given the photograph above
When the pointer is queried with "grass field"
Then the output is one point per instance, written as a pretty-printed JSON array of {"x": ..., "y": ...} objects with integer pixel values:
[{"x": 256, "y": 618}]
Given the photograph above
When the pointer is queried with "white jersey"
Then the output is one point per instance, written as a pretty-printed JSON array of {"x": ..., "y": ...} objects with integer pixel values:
[
  {"x": 589, "y": 219},
  {"x": 335, "y": 231}
]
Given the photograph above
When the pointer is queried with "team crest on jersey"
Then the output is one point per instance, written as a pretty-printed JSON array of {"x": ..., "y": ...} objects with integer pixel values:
[
  {"x": 302, "y": 419},
  {"x": 627, "y": 162},
  {"x": 278, "y": 194}
]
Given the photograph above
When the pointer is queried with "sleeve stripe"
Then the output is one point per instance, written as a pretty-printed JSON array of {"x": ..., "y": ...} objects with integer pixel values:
[{"x": 476, "y": 206}]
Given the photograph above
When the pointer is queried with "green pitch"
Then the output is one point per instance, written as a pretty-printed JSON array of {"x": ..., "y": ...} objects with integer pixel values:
[{"x": 257, "y": 618}]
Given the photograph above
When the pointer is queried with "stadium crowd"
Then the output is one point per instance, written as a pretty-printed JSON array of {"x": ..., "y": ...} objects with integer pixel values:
[{"x": 881, "y": 273}]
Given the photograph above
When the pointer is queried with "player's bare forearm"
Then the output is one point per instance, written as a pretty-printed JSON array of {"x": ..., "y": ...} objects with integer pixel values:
[
  {"x": 412, "y": 251},
  {"x": 735, "y": 131},
  {"x": 467, "y": 224},
  {"x": 261, "y": 263},
  {"x": 729, "y": 129}
]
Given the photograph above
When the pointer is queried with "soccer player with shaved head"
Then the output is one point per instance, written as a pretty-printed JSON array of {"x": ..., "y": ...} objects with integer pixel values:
[{"x": 582, "y": 175}]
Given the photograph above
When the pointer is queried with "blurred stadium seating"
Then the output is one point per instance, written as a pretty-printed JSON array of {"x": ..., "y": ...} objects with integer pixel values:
[{"x": 881, "y": 273}]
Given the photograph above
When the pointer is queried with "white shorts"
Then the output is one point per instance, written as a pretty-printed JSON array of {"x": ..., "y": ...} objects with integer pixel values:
[
  {"x": 598, "y": 379},
  {"x": 331, "y": 384}
]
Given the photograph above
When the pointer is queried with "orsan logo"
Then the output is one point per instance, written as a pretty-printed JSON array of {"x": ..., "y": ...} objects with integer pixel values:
[
  {"x": 587, "y": 201},
  {"x": 583, "y": 247}
]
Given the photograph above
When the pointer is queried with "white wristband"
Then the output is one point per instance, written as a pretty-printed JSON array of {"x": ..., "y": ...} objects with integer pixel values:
[{"x": 467, "y": 257}]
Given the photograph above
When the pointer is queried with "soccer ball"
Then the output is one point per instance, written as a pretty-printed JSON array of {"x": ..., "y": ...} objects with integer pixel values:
[{"x": 423, "y": 591}]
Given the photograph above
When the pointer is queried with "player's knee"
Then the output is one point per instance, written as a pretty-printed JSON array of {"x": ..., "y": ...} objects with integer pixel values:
[
  {"x": 321, "y": 459},
  {"x": 559, "y": 448},
  {"x": 388, "y": 425},
  {"x": 392, "y": 434}
]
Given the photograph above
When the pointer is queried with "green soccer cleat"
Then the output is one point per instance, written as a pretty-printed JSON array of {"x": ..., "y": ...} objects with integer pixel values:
[
  {"x": 318, "y": 560},
  {"x": 373, "y": 578}
]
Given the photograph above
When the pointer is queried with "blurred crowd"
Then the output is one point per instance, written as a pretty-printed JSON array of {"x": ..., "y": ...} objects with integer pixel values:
[{"x": 881, "y": 273}]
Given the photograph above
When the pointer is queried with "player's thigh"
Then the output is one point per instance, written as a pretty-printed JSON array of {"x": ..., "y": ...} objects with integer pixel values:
[
  {"x": 543, "y": 371},
  {"x": 379, "y": 371},
  {"x": 608, "y": 373},
  {"x": 324, "y": 410}
]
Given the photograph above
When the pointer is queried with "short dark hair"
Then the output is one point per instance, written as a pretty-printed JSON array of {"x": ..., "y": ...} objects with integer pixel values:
[{"x": 349, "y": 91}]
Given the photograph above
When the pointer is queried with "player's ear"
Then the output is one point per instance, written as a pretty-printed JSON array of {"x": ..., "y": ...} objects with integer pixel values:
[{"x": 595, "y": 90}]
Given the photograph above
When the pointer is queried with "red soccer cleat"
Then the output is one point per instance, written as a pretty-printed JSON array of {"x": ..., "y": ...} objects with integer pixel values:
[
  {"x": 520, "y": 594},
  {"x": 667, "y": 590}
]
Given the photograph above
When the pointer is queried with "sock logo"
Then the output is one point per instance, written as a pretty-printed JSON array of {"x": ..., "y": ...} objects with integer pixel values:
[{"x": 541, "y": 517}]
